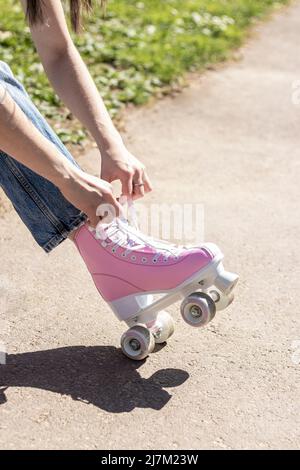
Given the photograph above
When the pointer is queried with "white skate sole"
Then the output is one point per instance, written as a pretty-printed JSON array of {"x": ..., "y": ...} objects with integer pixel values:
[{"x": 143, "y": 309}]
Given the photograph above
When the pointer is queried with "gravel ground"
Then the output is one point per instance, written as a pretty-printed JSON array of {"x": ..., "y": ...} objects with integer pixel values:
[{"x": 230, "y": 142}]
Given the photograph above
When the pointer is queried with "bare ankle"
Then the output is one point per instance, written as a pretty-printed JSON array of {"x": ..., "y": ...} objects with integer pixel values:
[{"x": 72, "y": 235}]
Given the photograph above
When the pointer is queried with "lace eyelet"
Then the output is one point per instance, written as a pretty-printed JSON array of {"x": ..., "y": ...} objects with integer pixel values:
[
  {"x": 114, "y": 250},
  {"x": 144, "y": 260},
  {"x": 154, "y": 260},
  {"x": 133, "y": 257},
  {"x": 165, "y": 260},
  {"x": 124, "y": 254}
]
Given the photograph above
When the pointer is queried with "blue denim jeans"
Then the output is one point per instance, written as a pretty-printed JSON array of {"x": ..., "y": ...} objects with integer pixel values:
[{"x": 41, "y": 206}]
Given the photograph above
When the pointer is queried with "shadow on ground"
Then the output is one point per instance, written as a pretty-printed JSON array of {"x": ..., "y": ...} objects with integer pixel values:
[{"x": 98, "y": 375}]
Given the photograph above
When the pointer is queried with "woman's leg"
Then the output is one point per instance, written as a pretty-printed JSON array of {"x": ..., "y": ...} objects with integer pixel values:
[{"x": 44, "y": 210}]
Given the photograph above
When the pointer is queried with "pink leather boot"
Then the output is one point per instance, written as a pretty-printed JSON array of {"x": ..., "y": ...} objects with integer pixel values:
[{"x": 139, "y": 277}]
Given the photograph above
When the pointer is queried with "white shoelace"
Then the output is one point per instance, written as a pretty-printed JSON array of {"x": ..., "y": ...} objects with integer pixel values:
[{"x": 121, "y": 234}]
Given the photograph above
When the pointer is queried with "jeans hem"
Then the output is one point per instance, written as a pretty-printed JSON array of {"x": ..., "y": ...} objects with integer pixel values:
[{"x": 59, "y": 237}]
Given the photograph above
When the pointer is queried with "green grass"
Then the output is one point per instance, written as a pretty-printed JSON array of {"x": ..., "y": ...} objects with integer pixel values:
[{"x": 139, "y": 49}]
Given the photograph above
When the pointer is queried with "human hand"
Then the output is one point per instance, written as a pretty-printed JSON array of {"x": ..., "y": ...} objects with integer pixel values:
[
  {"x": 117, "y": 163},
  {"x": 90, "y": 194}
]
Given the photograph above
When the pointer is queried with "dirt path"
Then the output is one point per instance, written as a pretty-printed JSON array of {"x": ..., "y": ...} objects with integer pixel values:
[{"x": 231, "y": 142}]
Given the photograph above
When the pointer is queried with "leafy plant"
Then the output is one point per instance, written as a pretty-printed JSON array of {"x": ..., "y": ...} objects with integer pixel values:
[{"x": 139, "y": 49}]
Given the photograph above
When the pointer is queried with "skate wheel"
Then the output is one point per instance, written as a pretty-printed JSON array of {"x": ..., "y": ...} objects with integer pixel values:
[
  {"x": 137, "y": 342},
  {"x": 198, "y": 309},
  {"x": 221, "y": 300},
  {"x": 163, "y": 327}
]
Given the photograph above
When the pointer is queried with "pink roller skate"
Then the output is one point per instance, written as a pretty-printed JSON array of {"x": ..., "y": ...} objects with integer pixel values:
[{"x": 130, "y": 270}]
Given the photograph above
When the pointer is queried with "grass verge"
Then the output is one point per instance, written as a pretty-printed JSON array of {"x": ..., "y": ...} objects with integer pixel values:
[{"x": 139, "y": 49}]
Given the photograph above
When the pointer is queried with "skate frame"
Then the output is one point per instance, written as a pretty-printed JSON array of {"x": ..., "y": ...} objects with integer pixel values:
[{"x": 140, "y": 308}]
